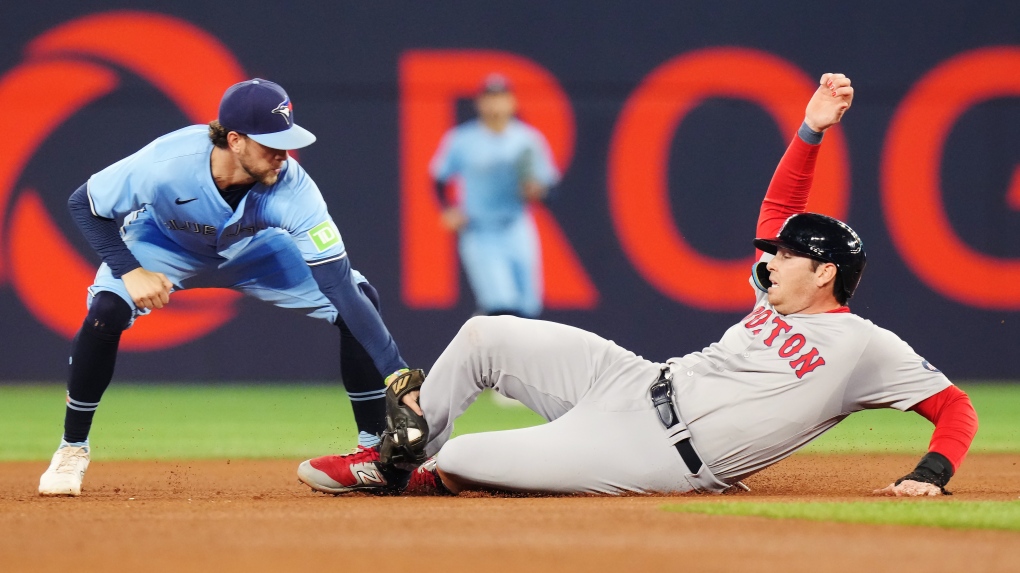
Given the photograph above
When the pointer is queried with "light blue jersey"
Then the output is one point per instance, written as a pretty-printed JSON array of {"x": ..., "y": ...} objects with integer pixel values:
[
  {"x": 492, "y": 167},
  {"x": 171, "y": 180}
]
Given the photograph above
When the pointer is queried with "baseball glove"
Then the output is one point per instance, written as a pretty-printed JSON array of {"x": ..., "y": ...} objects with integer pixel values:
[{"x": 406, "y": 432}]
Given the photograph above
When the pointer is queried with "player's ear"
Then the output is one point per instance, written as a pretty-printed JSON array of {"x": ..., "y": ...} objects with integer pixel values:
[
  {"x": 825, "y": 274},
  {"x": 234, "y": 140}
]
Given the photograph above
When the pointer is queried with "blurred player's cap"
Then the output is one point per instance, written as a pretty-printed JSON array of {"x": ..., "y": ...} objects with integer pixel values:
[
  {"x": 261, "y": 110},
  {"x": 495, "y": 84}
]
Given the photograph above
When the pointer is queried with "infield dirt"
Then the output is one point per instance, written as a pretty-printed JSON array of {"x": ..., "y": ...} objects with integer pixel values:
[{"x": 247, "y": 515}]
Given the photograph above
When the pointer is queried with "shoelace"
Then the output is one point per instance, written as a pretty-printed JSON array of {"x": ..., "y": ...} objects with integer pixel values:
[
  {"x": 69, "y": 460},
  {"x": 359, "y": 454}
]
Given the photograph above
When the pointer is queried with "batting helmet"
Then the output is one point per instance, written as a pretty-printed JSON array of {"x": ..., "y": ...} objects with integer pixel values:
[{"x": 825, "y": 239}]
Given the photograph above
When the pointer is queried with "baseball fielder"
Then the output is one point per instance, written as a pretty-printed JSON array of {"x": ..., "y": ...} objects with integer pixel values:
[
  {"x": 218, "y": 205},
  {"x": 503, "y": 164},
  {"x": 794, "y": 367}
]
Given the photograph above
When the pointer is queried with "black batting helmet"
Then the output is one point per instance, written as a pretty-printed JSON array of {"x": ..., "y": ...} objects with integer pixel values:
[{"x": 825, "y": 239}]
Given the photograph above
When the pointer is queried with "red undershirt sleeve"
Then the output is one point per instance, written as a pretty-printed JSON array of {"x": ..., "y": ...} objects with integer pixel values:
[
  {"x": 791, "y": 184},
  {"x": 955, "y": 422}
]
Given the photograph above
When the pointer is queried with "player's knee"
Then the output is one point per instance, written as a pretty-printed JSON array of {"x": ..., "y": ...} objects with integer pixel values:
[
  {"x": 468, "y": 462},
  {"x": 108, "y": 314},
  {"x": 454, "y": 461},
  {"x": 480, "y": 333}
]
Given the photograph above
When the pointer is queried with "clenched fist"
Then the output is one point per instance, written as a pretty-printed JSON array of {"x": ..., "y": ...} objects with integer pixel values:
[
  {"x": 830, "y": 101},
  {"x": 147, "y": 289}
]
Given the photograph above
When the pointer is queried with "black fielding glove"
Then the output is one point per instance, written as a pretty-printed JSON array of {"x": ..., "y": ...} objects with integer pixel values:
[
  {"x": 406, "y": 432},
  {"x": 934, "y": 468}
]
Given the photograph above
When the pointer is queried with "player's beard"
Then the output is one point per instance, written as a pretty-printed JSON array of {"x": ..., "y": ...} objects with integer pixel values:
[{"x": 265, "y": 176}]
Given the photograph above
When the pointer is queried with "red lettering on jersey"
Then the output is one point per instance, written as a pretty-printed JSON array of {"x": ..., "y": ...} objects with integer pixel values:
[
  {"x": 781, "y": 326},
  {"x": 755, "y": 312},
  {"x": 792, "y": 345},
  {"x": 759, "y": 320},
  {"x": 807, "y": 362}
]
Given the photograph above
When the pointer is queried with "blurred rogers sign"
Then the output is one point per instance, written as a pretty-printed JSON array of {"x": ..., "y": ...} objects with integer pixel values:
[
  {"x": 638, "y": 193},
  {"x": 65, "y": 69}
]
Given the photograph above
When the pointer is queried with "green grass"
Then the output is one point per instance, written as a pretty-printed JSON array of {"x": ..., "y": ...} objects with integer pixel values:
[
  {"x": 892, "y": 431},
  {"x": 154, "y": 421},
  {"x": 220, "y": 421},
  {"x": 923, "y": 512}
]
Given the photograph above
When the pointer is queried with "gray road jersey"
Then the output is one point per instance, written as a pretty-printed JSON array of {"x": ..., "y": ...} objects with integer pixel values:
[{"x": 773, "y": 383}]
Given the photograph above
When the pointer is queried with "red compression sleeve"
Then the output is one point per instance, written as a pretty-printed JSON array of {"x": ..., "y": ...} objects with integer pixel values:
[
  {"x": 955, "y": 423},
  {"x": 791, "y": 184}
]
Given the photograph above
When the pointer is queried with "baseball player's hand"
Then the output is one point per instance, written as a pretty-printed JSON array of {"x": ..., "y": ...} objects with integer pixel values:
[
  {"x": 831, "y": 100},
  {"x": 909, "y": 488},
  {"x": 148, "y": 290},
  {"x": 411, "y": 401},
  {"x": 411, "y": 398},
  {"x": 453, "y": 218},
  {"x": 532, "y": 190}
]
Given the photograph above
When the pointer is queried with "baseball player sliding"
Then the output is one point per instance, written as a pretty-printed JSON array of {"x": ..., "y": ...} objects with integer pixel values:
[
  {"x": 795, "y": 366},
  {"x": 218, "y": 205}
]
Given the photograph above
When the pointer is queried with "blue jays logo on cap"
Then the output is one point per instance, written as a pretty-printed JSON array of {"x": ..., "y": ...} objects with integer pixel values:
[
  {"x": 255, "y": 107},
  {"x": 285, "y": 109}
]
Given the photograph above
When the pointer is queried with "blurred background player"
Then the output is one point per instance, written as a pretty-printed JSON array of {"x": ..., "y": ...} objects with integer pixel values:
[
  {"x": 502, "y": 164},
  {"x": 219, "y": 205}
]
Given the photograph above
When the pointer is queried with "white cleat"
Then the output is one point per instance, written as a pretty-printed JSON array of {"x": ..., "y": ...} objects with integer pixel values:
[{"x": 66, "y": 471}]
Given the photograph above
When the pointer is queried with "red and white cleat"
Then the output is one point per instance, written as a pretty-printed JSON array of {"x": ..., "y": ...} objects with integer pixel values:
[
  {"x": 425, "y": 480},
  {"x": 356, "y": 471}
]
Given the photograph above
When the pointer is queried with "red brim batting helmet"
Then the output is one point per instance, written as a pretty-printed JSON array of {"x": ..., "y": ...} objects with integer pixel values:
[{"x": 825, "y": 239}]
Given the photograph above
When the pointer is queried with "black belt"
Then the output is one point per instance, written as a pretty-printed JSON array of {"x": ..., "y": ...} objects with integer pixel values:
[{"x": 662, "y": 398}]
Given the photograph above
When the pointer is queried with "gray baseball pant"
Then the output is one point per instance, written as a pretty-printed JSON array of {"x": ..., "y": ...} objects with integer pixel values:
[{"x": 602, "y": 435}]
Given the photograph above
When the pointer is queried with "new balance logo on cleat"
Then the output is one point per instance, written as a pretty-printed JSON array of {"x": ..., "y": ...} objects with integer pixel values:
[{"x": 368, "y": 477}]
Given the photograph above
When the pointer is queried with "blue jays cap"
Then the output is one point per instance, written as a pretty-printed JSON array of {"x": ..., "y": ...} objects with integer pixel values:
[
  {"x": 495, "y": 84},
  {"x": 261, "y": 110}
]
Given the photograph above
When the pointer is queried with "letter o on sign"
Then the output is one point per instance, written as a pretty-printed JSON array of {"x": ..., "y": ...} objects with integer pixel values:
[
  {"x": 911, "y": 190},
  {"x": 639, "y": 158}
]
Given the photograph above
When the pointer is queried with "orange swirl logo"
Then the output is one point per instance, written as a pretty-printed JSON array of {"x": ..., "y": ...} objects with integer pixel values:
[{"x": 66, "y": 69}]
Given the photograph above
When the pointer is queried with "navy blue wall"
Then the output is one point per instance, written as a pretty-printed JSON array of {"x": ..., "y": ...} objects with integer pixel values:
[{"x": 340, "y": 65}]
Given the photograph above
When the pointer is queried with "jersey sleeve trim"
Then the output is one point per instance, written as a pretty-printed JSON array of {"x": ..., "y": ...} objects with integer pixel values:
[
  {"x": 328, "y": 260},
  {"x": 92, "y": 204},
  {"x": 906, "y": 405}
]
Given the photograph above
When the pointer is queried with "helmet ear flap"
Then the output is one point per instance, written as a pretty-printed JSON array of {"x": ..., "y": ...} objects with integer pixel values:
[{"x": 760, "y": 275}]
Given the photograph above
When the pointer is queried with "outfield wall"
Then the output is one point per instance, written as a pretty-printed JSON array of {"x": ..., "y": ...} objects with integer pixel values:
[{"x": 667, "y": 121}]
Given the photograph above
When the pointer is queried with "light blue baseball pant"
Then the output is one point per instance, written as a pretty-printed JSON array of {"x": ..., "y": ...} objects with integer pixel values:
[{"x": 504, "y": 266}]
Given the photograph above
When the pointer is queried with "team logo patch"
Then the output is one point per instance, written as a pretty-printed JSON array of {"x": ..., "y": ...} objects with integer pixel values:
[
  {"x": 285, "y": 109},
  {"x": 927, "y": 366},
  {"x": 324, "y": 235}
]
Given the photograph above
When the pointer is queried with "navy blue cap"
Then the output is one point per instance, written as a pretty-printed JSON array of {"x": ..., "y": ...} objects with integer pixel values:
[
  {"x": 261, "y": 110},
  {"x": 495, "y": 84}
]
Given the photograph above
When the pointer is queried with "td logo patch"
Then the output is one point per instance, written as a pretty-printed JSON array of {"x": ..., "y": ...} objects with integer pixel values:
[{"x": 324, "y": 235}]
